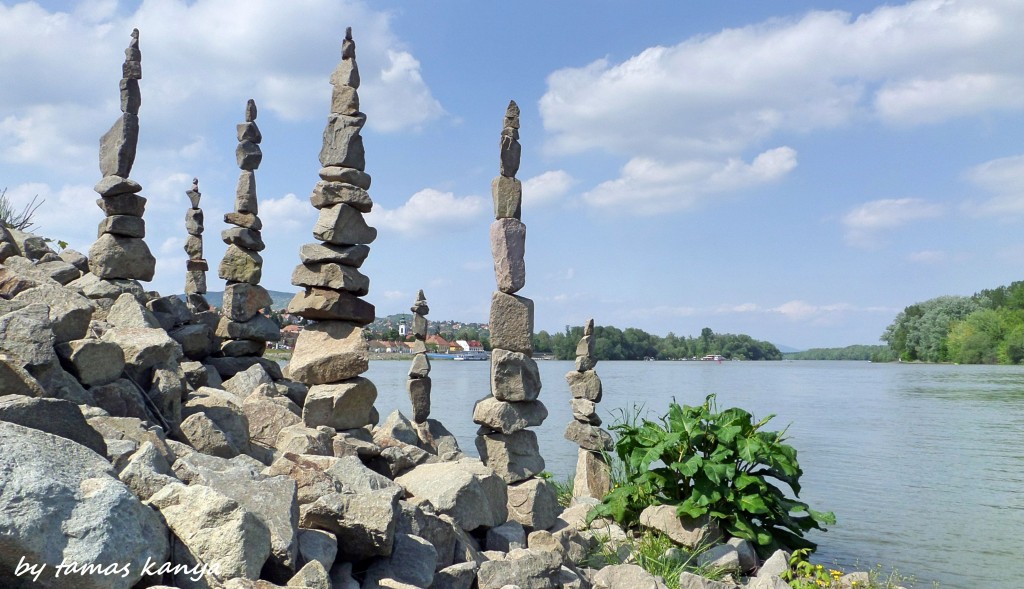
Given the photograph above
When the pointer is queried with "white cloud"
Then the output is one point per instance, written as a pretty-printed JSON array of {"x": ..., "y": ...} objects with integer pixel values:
[
  {"x": 547, "y": 187},
  {"x": 865, "y": 223},
  {"x": 401, "y": 98},
  {"x": 653, "y": 187},
  {"x": 921, "y": 62},
  {"x": 1004, "y": 179},
  {"x": 287, "y": 214},
  {"x": 68, "y": 213},
  {"x": 427, "y": 212}
]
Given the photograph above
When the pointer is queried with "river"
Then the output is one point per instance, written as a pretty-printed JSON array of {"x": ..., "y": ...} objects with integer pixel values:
[{"x": 923, "y": 465}]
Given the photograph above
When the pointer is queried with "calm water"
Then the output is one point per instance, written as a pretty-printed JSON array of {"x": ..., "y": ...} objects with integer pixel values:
[{"x": 923, "y": 465}]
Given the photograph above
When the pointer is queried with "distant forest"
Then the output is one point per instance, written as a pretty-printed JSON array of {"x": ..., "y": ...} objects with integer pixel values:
[
  {"x": 613, "y": 343},
  {"x": 986, "y": 328},
  {"x": 877, "y": 353}
]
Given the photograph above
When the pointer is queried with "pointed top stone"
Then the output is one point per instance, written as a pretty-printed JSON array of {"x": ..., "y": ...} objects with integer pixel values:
[
  {"x": 135, "y": 37},
  {"x": 420, "y": 306},
  {"x": 588, "y": 329},
  {"x": 194, "y": 194},
  {"x": 512, "y": 115},
  {"x": 250, "y": 111},
  {"x": 348, "y": 46},
  {"x": 132, "y": 67}
]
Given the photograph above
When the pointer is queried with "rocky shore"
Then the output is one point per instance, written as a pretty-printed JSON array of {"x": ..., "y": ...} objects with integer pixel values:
[{"x": 146, "y": 441}]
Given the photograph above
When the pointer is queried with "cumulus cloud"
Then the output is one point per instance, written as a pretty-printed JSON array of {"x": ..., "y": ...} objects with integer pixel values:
[
  {"x": 1003, "y": 179},
  {"x": 921, "y": 62},
  {"x": 865, "y": 223},
  {"x": 547, "y": 187},
  {"x": 654, "y": 187},
  {"x": 68, "y": 213},
  {"x": 287, "y": 214},
  {"x": 429, "y": 211}
]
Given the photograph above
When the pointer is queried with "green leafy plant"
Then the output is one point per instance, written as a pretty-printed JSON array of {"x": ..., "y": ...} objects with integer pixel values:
[{"x": 721, "y": 465}]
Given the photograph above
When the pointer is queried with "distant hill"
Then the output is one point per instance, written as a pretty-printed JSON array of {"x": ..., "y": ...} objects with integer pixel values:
[
  {"x": 280, "y": 299},
  {"x": 787, "y": 349}
]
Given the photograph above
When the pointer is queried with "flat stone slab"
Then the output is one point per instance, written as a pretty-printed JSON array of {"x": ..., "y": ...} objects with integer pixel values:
[
  {"x": 327, "y": 352},
  {"x": 342, "y": 224}
]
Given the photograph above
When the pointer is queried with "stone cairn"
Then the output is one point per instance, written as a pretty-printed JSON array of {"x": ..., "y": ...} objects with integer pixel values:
[
  {"x": 330, "y": 355},
  {"x": 196, "y": 266},
  {"x": 503, "y": 441},
  {"x": 245, "y": 331},
  {"x": 593, "y": 475},
  {"x": 120, "y": 251},
  {"x": 418, "y": 384}
]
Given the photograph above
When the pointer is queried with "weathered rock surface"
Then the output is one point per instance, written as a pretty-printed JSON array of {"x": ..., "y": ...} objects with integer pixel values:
[
  {"x": 593, "y": 476},
  {"x": 514, "y": 457},
  {"x": 508, "y": 248},
  {"x": 685, "y": 531},
  {"x": 584, "y": 385},
  {"x": 61, "y": 503},
  {"x": 69, "y": 312},
  {"x": 242, "y": 301},
  {"x": 326, "y": 304},
  {"x": 533, "y": 503},
  {"x": 364, "y": 523},
  {"x": 327, "y": 352},
  {"x": 331, "y": 275},
  {"x": 241, "y": 265},
  {"x": 589, "y": 437},
  {"x": 527, "y": 569},
  {"x": 53, "y": 416},
  {"x": 343, "y": 224},
  {"x": 626, "y": 575},
  {"x": 514, "y": 376},
  {"x": 507, "y": 418},
  {"x": 467, "y": 491},
  {"x": 511, "y": 322},
  {"x": 112, "y": 256},
  {"x": 411, "y": 564}
]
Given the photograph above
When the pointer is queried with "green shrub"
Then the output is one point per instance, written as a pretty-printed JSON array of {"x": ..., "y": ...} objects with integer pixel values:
[{"x": 718, "y": 464}]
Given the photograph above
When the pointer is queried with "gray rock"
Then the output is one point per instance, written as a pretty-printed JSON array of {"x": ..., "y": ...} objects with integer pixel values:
[
  {"x": 309, "y": 473},
  {"x": 723, "y": 557},
  {"x": 69, "y": 311},
  {"x": 514, "y": 457},
  {"x": 420, "y": 367},
  {"x": 364, "y": 523},
  {"x": 323, "y": 304},
  {"x": 514, "y": 376},
  {"x": 125, "y": 225},
  {"x": 341, "y": 405},
  {"x": 411, "y": 564},
  {"x": 343, "y": 224},
  {"x": 508, "y": 247},
  {"x": 26, "y": 336},
  {"x": 207, "y": 437},
  {"x": 312, "y": 576},
  {"x": 326, "y": 194},
  {"x": 456, "y": 576},
  {"x": 621, "y": 576},
  {"x": 143, "y": 349},
  {"x": 272, "y": 499},
  {"x": 511, "y": 323},
  {"x": 507, "y": 194},
  {"x": 584, "y": 385},
  {"x": 112, "y": 256},
  {"x": 344, "y": 100},
  {"x": 75, "y": 258},
  {"x": 299, "y": 439},
  {"x": 534, "y": 504},
  {"x": 419, "y": 396},
  {"x": 131, "y": 96},
  {"x": 247, "y": 220},
  {"x": 331, "y": 275},
  {"x": 196, "y": 340},
  {"x": 248, "y": 155},
  {"x": 194, "y": 223},
  {"x": 58, "y": 270},
  {"x": 212, "y": 529},
  {"x": 62, "y": 503},
  {"x": 511, "y": 152},
  {"x": 776, "y": 582},
  {"x": 346, "y": 255},
  {"x": 248, "y": 131},
  {"x": 342, "y": 145},
  {"x": 122, "y": 204},
  {"x": 528, "y": 569},
  {"x": 194, "y": 247},
  {"x": 244, "y": 238},
  {"x": 245, "y": 382},
  {"x": 117, "y": 146},
  {"x": 267, "y": 419},
  {"x": 329, "y": 352},
  {"x": 776, "y": 564},
  {"x": 171, "y": 305},
  {"x": 166, "y": 391},
  {"x": 120, "y": 399},
  {"x": 584, "y": 411},
  {"x": 130, "y": 429},
  {"x": 689, "y": 580},
  {"x": 317, "y": 545},
  {"x": 240, "y": 265},
  {"x": 243, "y": 301},
  {"x": 128, "y": 312},
  {"x": 589, "y": 437},
  {"x": 685, "y": 531},
  {"x": 113, "y": 185},
  {"x": 146, "y": 472},
  {"x": 467, "y": 491},
  {"x": 53, "y": 416},
  {"x": 508, "y": 536},
  {"x": 436, "y": 439},
  {"x": 593, "y": 476},
  {"x": 395, "y": 430},
  {"x": 260, "y": 328},
  {"x": 15, "y": 380},
  {"x": 223, "y": 409},
  {"x": 746, "y": 553},
  {"x": 228, "y": 367},
  {"x": 347, "y": 175},
  {"x": 507, "y": 418},
  {"x": 440, "y": 533}
]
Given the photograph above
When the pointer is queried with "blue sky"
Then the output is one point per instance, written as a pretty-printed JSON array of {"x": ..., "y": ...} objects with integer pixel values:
[{"x": 797, "y": 171}]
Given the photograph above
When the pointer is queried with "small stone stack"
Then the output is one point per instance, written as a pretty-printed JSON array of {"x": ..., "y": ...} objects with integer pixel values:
[
  {"x": 503, "y": 441},
  {"x": 593, "y": 475},
  {"x": 120, "y": 251},
  {"x": 196, "y": 266},
  {"x": 244, "y": 330},
  {"x": 418, "y": 384},
  {"x": 331, "y": 354}
]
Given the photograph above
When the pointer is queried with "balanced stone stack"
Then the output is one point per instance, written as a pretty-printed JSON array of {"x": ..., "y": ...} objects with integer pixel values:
[
  {"x": 244, "y": 330},
  {"x": 418, "y": 384},
  {"x": 196, "y": 266},
  {"x": 503, "y": 441},
  {"x": 330, "y": 355},
  {"x": 593, "y": 476},
  {"x": 120, "y": 251}
]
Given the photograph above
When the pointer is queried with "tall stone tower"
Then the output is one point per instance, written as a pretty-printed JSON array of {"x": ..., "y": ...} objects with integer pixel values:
[
  {"x": 120, "y": 251},
  {"x": 330, "y": 355},
  {"x": 503, "y": 441}
]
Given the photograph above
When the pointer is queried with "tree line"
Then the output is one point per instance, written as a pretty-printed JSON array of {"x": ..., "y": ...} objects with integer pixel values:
[
  {"x": 612, "y": 343},
  {"x": 877, "y": 353},
  {"x": 985, "y": 328}
]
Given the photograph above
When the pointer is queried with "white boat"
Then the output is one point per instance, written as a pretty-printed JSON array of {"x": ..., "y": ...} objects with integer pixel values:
[{"x": 472, "y": 355}]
